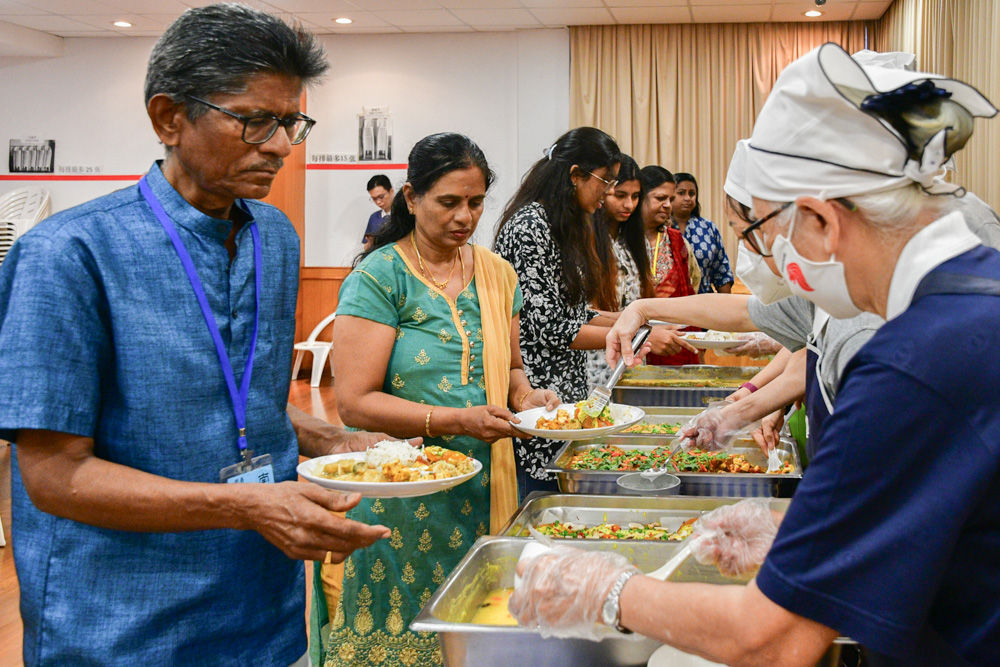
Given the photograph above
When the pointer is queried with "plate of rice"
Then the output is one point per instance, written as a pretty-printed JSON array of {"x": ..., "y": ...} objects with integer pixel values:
[
  {"x": 392, "y": 469},
  {"x": 712, "y": 340}
]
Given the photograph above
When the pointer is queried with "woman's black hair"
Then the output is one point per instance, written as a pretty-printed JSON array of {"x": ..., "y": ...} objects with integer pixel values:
[
  {"x": 431, "y": 158},
  {"x": 631, "y": 232},
  {"x": 548, "y": 183},
  {"x": 684, "y": 176},
  {"x": 653, "y": 177}
]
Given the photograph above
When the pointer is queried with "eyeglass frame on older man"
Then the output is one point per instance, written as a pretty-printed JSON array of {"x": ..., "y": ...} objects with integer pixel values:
[
  {"x": 750, "y": 233},
  {"x": 287, "y": 123},
  {"x": 757, "y": 245}
]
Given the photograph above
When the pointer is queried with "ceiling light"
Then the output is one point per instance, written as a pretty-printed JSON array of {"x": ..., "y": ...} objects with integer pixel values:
[
  {"x": 343, "y": 21},
  {"x": 812, "y": 13},
  {"x": 122, "y": 24}
]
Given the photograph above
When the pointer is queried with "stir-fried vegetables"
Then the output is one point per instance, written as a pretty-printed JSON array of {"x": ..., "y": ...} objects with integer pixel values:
[
  {"x": 613, "y": 531},
  {"x": 584, "y": 416},
  {"x": 657, "y": 429},
  {"x": 609, "y": 457}
]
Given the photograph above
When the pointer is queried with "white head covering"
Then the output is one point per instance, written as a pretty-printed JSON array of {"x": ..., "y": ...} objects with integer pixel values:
[
  {"x": 890, "y": 59},
  {"x": 812, "y": 138},
  {"x": 736, "y": 177}
]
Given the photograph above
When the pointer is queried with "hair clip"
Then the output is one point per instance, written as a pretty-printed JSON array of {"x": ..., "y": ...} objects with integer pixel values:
[
  {"x": 549, "y": 151},
  {"x": 904, "y": 98}
]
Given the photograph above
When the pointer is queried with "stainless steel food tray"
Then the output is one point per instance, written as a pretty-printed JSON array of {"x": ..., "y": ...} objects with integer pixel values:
[
  {"x": 489, "y": 565},
  {"x": 739, "y": 485},
  {"x": 540, "y": 508},
  {"x": 663, "y": 415},
  {"x": 684, "y": 386}
]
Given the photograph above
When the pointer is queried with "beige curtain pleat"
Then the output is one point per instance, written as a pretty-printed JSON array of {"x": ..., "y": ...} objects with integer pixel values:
[
  {"x": 681, "y": 96},
  {"x": 957, "y": 38}
]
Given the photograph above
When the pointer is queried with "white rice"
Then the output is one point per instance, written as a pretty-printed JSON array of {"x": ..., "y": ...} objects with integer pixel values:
[
  {"x": 718, "y": 335},
  {"x": 388, "y": 451}
]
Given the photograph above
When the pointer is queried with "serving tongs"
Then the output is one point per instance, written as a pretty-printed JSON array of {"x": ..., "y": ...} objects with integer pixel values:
[{"x": 600, "y": 395}]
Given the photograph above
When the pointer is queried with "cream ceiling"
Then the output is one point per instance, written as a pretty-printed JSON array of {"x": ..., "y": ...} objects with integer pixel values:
[{"x": 94, "y": 18}]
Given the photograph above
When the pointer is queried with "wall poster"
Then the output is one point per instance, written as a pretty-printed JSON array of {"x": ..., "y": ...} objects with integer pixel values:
[
  {"x": 32, "y": 156},
  {"x": 374, "y": 134}
]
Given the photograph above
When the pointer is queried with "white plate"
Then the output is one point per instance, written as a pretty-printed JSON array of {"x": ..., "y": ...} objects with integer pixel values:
[
  {"x": 380, "y": 489},
  {"x": 668, "y": 656},
  {"x": 624, "y": 416},
  {"x": 697, "y": 339}
]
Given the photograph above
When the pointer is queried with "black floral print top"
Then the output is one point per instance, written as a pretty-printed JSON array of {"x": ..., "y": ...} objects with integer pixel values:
[{"x": 549, "y": 322}]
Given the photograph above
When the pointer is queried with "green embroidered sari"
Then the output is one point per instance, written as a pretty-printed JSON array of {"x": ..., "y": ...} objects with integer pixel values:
[{"x": 437, "y": 360}]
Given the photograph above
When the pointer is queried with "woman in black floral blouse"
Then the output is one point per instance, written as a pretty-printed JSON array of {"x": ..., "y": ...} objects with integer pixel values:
[{"x": 546, "y": 234}]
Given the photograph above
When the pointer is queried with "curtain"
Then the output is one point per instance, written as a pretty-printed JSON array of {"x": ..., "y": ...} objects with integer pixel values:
[
  {"x": 956, "y": 38},
  {"x": 681, "y": 96}
]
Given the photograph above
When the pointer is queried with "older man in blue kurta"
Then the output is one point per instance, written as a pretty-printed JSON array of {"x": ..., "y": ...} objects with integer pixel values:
[{"x": 133, "y": 399}]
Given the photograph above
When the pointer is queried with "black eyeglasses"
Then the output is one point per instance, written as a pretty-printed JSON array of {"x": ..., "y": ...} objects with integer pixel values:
[
  {"x": 260, "y": 129},
  {"x": 750, "y": 233},
  {"x": 757, "y": 244}
]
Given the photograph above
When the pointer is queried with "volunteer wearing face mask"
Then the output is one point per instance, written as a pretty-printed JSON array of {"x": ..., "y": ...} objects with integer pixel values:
[
  {"x": 894, "y": 533},
  {"x": 790, "y": 321}
]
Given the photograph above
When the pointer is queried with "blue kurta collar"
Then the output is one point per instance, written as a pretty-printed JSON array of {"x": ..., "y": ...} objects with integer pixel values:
[{"x": 187, "y": 216}]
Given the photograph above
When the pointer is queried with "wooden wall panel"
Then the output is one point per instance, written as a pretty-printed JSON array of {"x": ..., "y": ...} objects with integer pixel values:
[{"x": 319, "y": 288}]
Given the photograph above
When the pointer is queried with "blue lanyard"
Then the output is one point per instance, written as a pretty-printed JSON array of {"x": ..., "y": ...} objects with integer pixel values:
[{"x": 238, "y": 397}]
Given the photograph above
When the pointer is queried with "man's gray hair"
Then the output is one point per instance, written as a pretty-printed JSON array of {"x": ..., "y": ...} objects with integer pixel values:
[{"x": 219, "y": 48}]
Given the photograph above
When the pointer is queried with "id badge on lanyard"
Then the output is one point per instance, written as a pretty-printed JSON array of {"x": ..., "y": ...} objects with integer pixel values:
[{"x": 250, "y": 468}]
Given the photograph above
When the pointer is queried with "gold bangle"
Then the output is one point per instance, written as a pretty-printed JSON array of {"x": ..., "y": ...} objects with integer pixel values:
[
  {"x": 520, "y": 403},
  {"x": 427, "y": 422}
]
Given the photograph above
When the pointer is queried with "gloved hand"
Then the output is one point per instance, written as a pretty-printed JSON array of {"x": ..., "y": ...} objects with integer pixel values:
[
  {"x": 713, "y": 429},
  {"x": 753, "y": 344},
  {"x": 561, "y": 592},
  {"x": 736, "y": 538}
]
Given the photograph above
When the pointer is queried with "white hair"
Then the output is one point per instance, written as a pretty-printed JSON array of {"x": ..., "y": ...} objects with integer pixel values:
[{"x": 889, "y": 212}]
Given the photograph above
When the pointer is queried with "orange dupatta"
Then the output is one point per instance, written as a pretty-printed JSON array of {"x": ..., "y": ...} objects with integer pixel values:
[{"x": 496, "y": 283}]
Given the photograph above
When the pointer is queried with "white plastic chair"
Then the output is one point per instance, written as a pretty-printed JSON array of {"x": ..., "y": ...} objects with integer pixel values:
[
  {"x": 320, "y": 350},
  {"x": 20, "y": 210}
]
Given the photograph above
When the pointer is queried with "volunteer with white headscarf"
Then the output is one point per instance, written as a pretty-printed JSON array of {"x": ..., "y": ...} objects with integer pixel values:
[{"x": 894, "y": 533}]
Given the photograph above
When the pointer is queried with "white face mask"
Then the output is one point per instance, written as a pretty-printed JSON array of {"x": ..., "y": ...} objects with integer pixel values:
[
  {"x": 759, "y": 278},
  {"x": 823, "y": 283}
]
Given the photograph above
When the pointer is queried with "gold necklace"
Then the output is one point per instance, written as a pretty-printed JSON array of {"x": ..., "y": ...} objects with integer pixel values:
[{"x": 426, "y": 271}]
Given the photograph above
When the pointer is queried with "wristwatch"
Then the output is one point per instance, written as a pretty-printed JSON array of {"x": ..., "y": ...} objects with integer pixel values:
[{"x": 611, "y": 612}]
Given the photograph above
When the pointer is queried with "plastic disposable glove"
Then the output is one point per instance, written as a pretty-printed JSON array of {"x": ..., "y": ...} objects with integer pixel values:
[
  {"x": 736, "y": 538},
  {"x": 753, "y": 344},
  {"x": 561, "y": 592},
  {"x": 712, "y": 430}
]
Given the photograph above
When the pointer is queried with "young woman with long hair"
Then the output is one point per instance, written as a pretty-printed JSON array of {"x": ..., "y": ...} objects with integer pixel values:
[
  {"x": 618, "y": 228},
  {"x": 546, "y": 233}
]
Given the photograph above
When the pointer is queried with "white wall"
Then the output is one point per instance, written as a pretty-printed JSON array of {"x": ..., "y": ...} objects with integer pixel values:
[
  {"x": 90, "y": 101},
  {"x": 508, "y": 91}
]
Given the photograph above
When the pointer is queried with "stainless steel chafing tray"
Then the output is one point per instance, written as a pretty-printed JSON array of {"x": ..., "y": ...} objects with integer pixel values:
[
  {"x": 741, "y": 485},
  {"x": 687, "y": 386},
  {"x": 539, "y": 508},
  {"x": 663, "y": 415},
  {"x": 490, "y": 565}
]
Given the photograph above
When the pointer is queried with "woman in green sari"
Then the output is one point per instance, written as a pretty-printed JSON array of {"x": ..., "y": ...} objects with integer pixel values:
[{"x": 426, "y": 341}]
